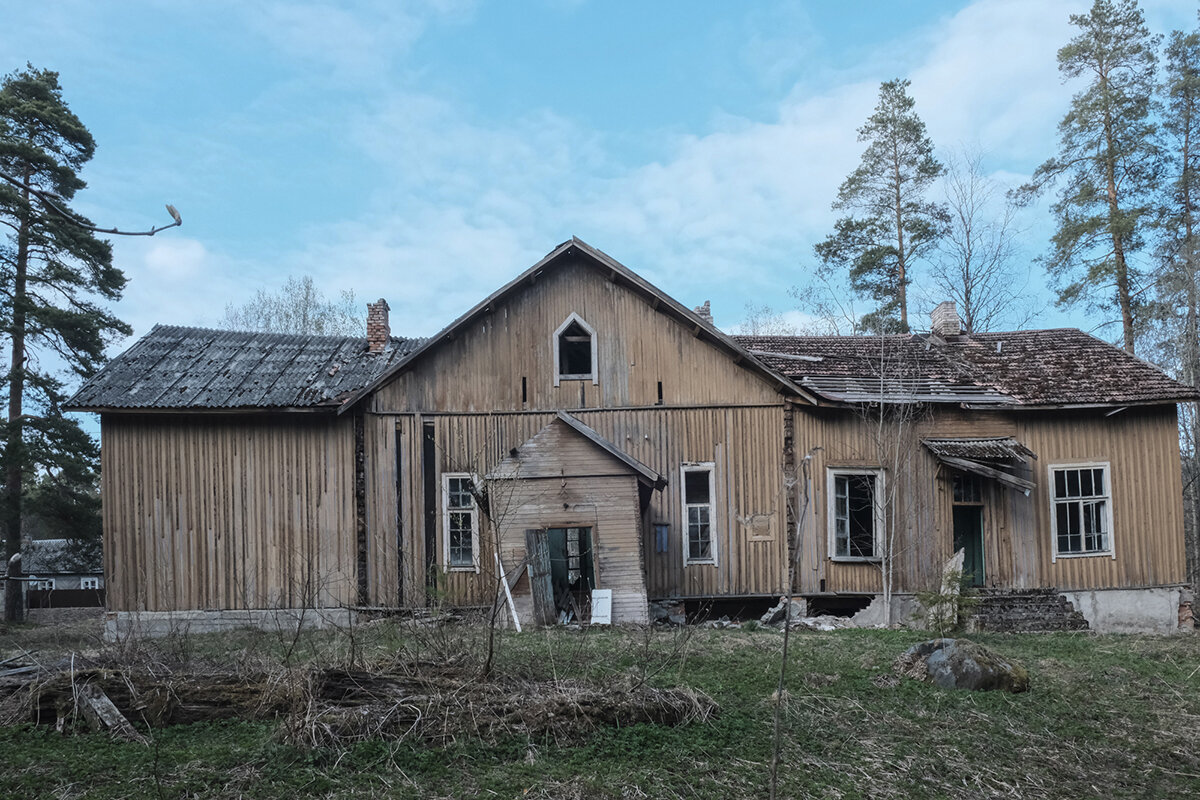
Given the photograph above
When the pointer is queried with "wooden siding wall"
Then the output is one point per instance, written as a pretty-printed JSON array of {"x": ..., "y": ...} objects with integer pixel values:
[
  {"x": 746, "y": 445},
  {"x": 1140, "y": 445},
  {"x": 228, "y": 512},
  {"x": 608, "y": 504},
  {"x": 482, "y": 368}
]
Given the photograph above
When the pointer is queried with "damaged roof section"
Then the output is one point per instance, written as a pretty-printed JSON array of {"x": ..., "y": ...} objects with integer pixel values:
[
  {"x": 200, "y": 369},
  {"x": 1045, "y": 368},
  {"x": 1000, "y": 458}
]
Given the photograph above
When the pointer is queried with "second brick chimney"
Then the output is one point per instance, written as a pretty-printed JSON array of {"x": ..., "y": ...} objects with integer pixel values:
[
  {"x": 705, "y": 312},
  {"x": 378, "y": 329}
]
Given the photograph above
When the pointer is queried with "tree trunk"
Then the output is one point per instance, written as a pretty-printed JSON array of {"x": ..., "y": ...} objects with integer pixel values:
[
  {"x": 901, "y": 267},
  {"x": 14, "y": 445},
  {"x": 1121, "y": 268}
]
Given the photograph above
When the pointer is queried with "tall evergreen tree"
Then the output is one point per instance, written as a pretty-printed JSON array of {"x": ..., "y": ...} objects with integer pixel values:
[
  {"x": 1176, "y": 336},
  {"x": 1108, "y": 164},
  {"x": 891, "y": 225},
  {"x": 53, "y": 274}
]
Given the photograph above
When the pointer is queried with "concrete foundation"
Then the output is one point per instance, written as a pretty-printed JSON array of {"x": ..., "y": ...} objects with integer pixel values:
[
  {"x": 119, "y": 625},
  {"x": 1154, "y": 610}
]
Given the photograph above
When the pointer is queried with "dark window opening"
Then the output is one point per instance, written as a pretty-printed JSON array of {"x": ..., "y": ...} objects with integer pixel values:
[
  {"x": 524, "y": 390},
  {"x": 966, "y": 488},
  {"x": 660, "y": 396},
  {"x": 854, "y": 515},
  {"x": 575, "y": 351}
]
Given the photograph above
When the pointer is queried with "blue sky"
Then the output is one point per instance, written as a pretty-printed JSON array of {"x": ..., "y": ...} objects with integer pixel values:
[{"x": 426, "y": 152}]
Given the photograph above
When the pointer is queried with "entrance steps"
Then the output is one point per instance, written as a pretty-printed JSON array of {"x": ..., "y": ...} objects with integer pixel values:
[{"x": 1026, "y": 611}]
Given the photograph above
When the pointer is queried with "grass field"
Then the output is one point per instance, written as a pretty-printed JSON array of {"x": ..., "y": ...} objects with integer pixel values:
[{"x": 1107, "y": 716}]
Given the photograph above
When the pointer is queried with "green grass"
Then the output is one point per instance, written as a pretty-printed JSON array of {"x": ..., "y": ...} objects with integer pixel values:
[{"x": 1108, "y": 716}]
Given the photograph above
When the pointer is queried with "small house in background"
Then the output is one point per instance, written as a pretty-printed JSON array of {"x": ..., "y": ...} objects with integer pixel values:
[
  {"x": 580, "y": 430},
  {"x": 62, "y": 573}
]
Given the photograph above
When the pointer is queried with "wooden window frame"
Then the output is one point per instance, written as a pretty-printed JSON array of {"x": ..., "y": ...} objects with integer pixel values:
[
  {"x": 879, "y": 519},
  {"x": 1109, "y": 551},
  {"x": 473, "y": 511},
  {"x": 84, "y": 581},
  {"x": 559, "y": 377},
  {"x": 711, "y": 468}
]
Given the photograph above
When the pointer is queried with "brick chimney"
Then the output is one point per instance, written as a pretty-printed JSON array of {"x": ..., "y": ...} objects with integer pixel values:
[
  {"x": 944, "y": 320},
  {"x": 378, "y": 329},
  {"x": 705, "y": 313}
]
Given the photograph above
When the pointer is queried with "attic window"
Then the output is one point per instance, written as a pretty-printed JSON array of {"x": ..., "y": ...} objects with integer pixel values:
[{"x": 575, "y": 351}]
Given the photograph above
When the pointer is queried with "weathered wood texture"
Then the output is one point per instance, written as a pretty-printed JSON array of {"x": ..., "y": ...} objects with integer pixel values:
[
  {"x": 481, "y": 369},
  {"x": 227, "y": 512},
  {"x": 745, "y": 444},
  {"x": 559, "y": 479},
  {"x": 1140, "y": 446}
]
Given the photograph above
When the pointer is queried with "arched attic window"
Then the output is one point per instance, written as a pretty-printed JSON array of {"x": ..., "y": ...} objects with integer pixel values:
[{"x": 574, "y": 351}]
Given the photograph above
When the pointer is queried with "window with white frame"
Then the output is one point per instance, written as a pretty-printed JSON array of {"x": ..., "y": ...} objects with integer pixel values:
[
  {"x": 460, "y": 523},
  {"x": 855, "y": 513},
  {"x": 89, "y": 583},
  {"x": 574, "y": 351},
  {"x": 1081, "y": 509},
  {"x": 42, "y": 584},
  {"x": 699, "y": 536}
]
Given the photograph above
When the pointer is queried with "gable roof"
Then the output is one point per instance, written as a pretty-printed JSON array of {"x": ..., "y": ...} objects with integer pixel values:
[
  {"x": 202, "y": 369},
  {"x": 507, "y": 467},
  {"x": 618, "y": 273},
  {"x": 60, "y": 557},
  {"x": 1046, "y": 368}
]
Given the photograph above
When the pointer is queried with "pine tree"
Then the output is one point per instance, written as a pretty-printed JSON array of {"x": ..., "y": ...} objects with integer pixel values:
[
  {"x": 1108, "y": 164},
  {"x": 891, "y": 225},
  {"x": 54, "y": 272},
  {"x": 1176, "y": 337}
]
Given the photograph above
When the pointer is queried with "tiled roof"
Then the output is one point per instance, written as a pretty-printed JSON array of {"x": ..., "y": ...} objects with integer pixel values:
[
  {"x": 1023, "y": 368},
  {"x": 199, "y": 368}
]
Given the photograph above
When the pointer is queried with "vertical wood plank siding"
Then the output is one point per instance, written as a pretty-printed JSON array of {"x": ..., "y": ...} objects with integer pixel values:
[
  {"x": 480, "y": 370},
  {"x": 227, "y": 512},
  {"x": 1140, "y": 445},
  {"x": 745, "y": 443}
]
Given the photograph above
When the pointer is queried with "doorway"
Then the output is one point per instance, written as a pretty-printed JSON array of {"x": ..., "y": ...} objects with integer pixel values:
[
  {"x": 968, "y": 527},
  {"x": 572, "y": 571},
  {"x": 968, "y": 537}
]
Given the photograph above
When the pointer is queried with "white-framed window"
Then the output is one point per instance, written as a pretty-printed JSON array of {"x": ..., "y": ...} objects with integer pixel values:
[
  {"x": 699, "y": 519},
  {"x": 574, "y": 351},
  {"x": 1081, "y": 510},
  {"x": 460, "y": 523},
  {"x": 89, "y": 583},
  {"x": 856, "y": 518},
  {"x": 42, "y": 584}
]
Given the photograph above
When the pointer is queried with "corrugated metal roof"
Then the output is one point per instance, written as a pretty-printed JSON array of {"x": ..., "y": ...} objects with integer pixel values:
[
  {"x": 60, "y": 557},
  {"x": 1000, "y": 448},
  {"x": 183, "y": 368}
]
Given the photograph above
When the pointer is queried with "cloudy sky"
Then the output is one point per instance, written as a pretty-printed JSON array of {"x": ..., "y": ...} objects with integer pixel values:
[{"x": 428, "y": 151}]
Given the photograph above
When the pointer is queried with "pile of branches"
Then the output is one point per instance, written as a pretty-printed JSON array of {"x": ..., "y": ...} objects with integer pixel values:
[{"x": 430, "y": 703}]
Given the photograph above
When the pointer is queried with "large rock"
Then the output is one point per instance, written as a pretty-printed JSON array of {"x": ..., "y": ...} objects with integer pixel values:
[{"x": 961, "y": 664}]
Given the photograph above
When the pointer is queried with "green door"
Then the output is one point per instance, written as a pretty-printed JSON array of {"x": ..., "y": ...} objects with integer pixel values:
[{"x": 968, "y": 537}]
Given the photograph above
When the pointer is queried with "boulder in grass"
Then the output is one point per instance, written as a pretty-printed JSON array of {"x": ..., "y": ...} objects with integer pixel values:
[{"x": 961, "y": 664}]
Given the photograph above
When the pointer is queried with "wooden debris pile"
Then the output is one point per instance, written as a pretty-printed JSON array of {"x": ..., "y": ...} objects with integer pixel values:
[{"x": 430, "y": 703}]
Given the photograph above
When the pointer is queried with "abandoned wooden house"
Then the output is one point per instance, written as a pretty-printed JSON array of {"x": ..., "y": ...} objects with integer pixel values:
[{"x": 579, "y": 430}]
